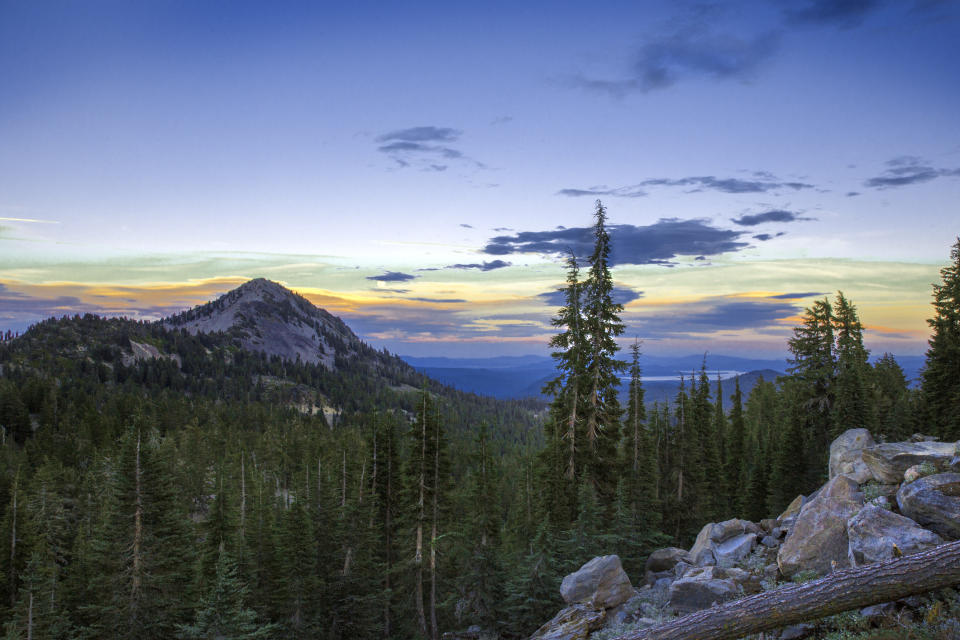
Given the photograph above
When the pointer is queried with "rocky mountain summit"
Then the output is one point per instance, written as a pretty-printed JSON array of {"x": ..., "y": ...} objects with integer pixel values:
[
  {"x": 882, "y": 501},
  {"x": 263, "y": 315}
]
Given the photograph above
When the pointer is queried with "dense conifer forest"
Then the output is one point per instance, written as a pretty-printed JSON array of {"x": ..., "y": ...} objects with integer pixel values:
[{"x": 204, "y": 492}]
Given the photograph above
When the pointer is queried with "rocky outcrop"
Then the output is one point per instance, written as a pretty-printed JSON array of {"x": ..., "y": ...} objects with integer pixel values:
[
  {"x": 888, "y": 462},
  {"x": 818, "y": 541},
  {"x": 877, "y": 534},
  {"x": 601, "y": 584},
  {"x": 933, "y": 502},
  {"x": 832, "y": 528},
  {"x": 846, "y": 455}
]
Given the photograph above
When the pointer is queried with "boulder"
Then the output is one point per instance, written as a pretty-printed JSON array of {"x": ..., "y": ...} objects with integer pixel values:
[
  {"x": 625, "y": 613},
  {"x": 789, "y": 515},
  {"x": 913, "y": 473},
  {"x": 889, "y": 461},
  {"x": 664, "y": 559},
  {"x": 602, "y": 583},
  {"x": 933, "y": 502},
  {"x": 818, "y": 541},
  {"x": 576, "y": 622},
  {"x": 874, "y": 532},
  {"x": 712, "y": 542},
  {"x": 700, "y": 589},
  {"x": 846, "y": 455},
  {"x": 732, "y": 551},
  {"x": 701, "y": 553},
  {"x": 798, "y": 631}
]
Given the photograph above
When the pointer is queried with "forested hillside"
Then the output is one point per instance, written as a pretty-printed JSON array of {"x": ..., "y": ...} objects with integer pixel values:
[{"x": 159, "y": 483}]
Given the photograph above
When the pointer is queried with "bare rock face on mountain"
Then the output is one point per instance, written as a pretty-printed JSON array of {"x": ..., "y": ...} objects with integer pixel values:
[{"x": 265, "y": 316}]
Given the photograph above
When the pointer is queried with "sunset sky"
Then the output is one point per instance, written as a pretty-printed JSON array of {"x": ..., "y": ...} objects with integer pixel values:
[{"x": 416, "y": 168}]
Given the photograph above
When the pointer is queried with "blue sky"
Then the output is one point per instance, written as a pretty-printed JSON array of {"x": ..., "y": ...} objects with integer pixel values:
[{"x": 415, "y": 168}]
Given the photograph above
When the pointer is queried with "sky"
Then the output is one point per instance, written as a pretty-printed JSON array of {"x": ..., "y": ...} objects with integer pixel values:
[{"x": 419, "y": 168}]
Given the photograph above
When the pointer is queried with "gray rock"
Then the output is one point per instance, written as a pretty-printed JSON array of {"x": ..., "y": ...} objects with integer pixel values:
[
  {"x": 919, "y": 437},
  {"x": 710, "y": 546},
  {"x": 818, "y": 541},
  {"x": 874, "y": 532},
  {"x": 846, "y": 455},
  {"x": 878, "y": 610},
  {"x": 889, "y": 461},
  {"x": 681, "y": 568},
  {"x": 663, "y": 583},
  {"x": 702, "y": 589},
  {"x": 735, "y": 549},
  {"x": 664, "y": 559},
  {"x": 602, "y": 583},
  {"x": 933, "y": 502},
  {"x": 770, "y": 541},
  {"x": 576, "y": 622},
  {"x": 701, "y": 553},
  {"x": 789, "y": 515},
  {"x": 624, "y": 613}
]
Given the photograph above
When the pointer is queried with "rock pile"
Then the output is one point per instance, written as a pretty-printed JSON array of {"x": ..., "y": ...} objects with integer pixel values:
[{"x": 881, "y": 501}]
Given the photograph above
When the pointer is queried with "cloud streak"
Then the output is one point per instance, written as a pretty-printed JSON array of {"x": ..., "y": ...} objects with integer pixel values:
[
  {"x": 774, "y": 215},
  {"x": 658, "y": 243},
  {"x": 482, "y": 266},
  {"x": 392, "y": 276},
  {"x": 696, "y": 184},
  {"x": 908, "y": 170},
  {"x": 691, "y": 52},
  {"x": 425, "y": 147},
  {"x": 845, "y": 14}
]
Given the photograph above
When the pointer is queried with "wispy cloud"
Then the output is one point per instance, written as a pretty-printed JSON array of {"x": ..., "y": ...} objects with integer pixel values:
[
  {"x": 774, "y": 215},
  {"x": 392, "y": 276},
  {"x": 690, "y": 48},
  {"x": 907, "y": 170},
  {"x": 29, "y": 220},
  {"x": 841, "y": 13},
  {"x": 482, "y": 266},
  {"x": 427, "y": 147},
  {"x": 621, "y": 295},
  {"x": 713, "y": 315},
  {"x": 766, "y": 184},
  {"x": 658, "y": 243}
]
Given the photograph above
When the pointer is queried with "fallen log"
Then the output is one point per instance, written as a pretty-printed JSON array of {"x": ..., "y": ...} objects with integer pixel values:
[{"x": 840, "y": 591}]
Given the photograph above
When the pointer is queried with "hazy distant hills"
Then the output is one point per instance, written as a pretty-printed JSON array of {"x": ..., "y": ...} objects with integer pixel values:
[{"x": 524, "y": 376}]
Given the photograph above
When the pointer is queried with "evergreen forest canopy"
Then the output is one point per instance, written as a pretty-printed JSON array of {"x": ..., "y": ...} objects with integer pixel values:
[{"x": 199, "y": 493}]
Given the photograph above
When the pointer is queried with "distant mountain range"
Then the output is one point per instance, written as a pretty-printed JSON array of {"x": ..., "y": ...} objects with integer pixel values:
[{"x": 524, "y": 376}]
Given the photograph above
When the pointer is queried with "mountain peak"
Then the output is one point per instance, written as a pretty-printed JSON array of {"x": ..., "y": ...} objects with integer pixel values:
[{"x": 263, "y": 315}]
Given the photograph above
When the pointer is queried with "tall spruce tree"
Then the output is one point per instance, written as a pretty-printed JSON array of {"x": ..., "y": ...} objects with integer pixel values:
[
  {"x": 941, "y": 375},
  {"x": 851, "y": 409},
  {"x": 565, "y": 449},
  {"x": 603, "y": 369}
]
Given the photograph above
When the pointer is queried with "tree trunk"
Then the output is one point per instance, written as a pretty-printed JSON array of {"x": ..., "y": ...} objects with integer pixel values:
[
  {"x": 421, "y": 516},
  {"x": 910, "y": 575}
]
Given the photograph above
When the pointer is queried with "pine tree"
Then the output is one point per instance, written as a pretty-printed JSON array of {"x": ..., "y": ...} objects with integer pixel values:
[
  {"x": 813, "y": 369},
  {"x": 603, "y": 369},
  {"x": 736, "y": 465},
  {"x": 941, "y": 375},
  {"x": 222, "y": 613},
  {"x": 141, "y": 584},
  {"x": 565, "y": 447},
  {"x": 851, "y": 410}
]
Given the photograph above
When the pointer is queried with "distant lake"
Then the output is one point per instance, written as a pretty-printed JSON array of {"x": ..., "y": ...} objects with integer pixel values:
[{"x": 724, "y": 375}]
